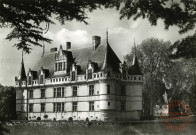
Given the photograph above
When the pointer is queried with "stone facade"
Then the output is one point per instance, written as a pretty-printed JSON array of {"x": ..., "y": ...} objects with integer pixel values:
[{"x": 89, "y": 83}]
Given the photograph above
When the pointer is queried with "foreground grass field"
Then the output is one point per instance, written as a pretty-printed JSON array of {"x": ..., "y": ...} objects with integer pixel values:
[{"x": 142, "y": 128}]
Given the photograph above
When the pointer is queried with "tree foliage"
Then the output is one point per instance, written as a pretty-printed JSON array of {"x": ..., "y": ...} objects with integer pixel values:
[
  {"x": 26, "y": 17},
  {"x": 154, "y": 62},
  {"x": 176, "y": 77},
  {"x": 7, "y": 103}
]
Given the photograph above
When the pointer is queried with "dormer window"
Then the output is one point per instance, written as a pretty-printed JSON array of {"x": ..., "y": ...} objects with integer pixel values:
[
  {"x": 41, "y": 80},
  {"x": 73, "y": 75},
  {"x": 29, "y": 80},
  {"x": 90, "y": 74},
  {"x": 60, "y": 66}
]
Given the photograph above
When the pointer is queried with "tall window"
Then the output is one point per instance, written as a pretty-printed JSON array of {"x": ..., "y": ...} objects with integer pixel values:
[
  {"x": 109, "y": 74},
  {"x": 108, "y": 89},
  {"x": 63, "y": 92},
  {"x": 62, "y": 104},
  {"x": 90, "y": 73},
  {"x": 58, "y": 107},
  {"x": 74, "y": 106},
  {"x": 123, "y": 90},
  {"x": 91, "y": 106},
  {"x": 91, "y": 90},
  {"x": 41, "y": 81},
  {"x": 73, "y": 76},
  {"x": 54, "y": 107},
  {"x": 43, "y": 107},
  {"x": 54, "y": 93},
  {"x": 122, "y": 105},
  {"x": 30, "y": 80},
  {"x": 30, "y": 94},
  {"x": 74, "y": 91},
  {"x": 60, "y": 66},
  {"x": 30, "y": 107},
  {"x": 42, "y": 93},
  {"x": 59, "y": 92},
  {"x": 64, "y": 65},
  {"x": 56, "y": 67}
]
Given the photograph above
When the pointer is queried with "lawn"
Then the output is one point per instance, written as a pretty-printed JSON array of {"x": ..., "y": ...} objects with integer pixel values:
[{"x": 139, "y": 128}]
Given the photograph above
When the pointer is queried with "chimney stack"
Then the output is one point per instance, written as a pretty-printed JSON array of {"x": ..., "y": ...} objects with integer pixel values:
[
  {"x": 68, "y": 45},
  {"x": 96, "y": 42}
]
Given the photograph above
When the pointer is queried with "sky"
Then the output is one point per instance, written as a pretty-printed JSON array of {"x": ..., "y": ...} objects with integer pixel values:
[{"x": 121, "y": 39}]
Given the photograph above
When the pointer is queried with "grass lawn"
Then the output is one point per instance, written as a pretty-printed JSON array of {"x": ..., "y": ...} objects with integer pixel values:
[{"x": 142, "y": 128}]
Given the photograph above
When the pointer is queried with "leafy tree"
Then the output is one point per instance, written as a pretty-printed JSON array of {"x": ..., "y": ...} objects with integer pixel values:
[
  {"x": 26, "y": 17},
  {"x": 154, "y": 61},
  {"x": 7, "y": 103}
]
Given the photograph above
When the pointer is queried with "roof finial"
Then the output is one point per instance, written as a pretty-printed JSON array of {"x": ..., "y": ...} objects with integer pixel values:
[{"x": 106, "y": 35}]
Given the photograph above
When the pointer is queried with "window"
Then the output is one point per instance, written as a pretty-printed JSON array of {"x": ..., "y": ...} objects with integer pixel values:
[
  {"x": 54, "y": 107},
  {"x": 64, "y": 65},
  {"x": 63, "y": 92},
  {"x": 122, "y": 105},
  {"x": 91, "y": 90},
  {"x": 91, "y": 106},
  {"x": 73, "y": 76},
  {"x": 42, "y": 93},
  {"x": 90, "y": 73},
  {"x": 74, "y": 91},
  {"x": 54, "y": 93},
  {"x": 134, "y": 78},
  {"x": 94, "y": 75},
  {"x": 140, "y": 78},
  {"x": 58, "y": 107},
  {"x": 108, "y": 103},
  {"x": 74, "y": 106},
  {"x": 43, "y": 107},
  {"x": 56, "y": 67},
  {"x": 58, "y": 92},
  {"x": 108, "y": 73},
  {"x": 30, "y": 80},
  {"x": 123, "y": 90},
  {"x": 30, "y": 94},
  {"x": 41, "y": 81},
  {"x": 108, "y": 89},
  {"x": 62, "y": 107},
  {"x": 30, "y": 107},
  {"x": 60, "y": 66}
]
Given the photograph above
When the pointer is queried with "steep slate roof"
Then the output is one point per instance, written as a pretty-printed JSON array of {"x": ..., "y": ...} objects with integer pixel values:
[
  {"x": 135, "y": 69},
  {"x": 22, "y": 74},
  {"x": 82, "y": 57}
]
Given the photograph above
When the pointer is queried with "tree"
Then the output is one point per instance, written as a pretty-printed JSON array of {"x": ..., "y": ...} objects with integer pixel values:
[
  {"x": 154, "y": 61},
  {"x": 26, "y": 16},
  {"x": 7, "y": 103}
]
